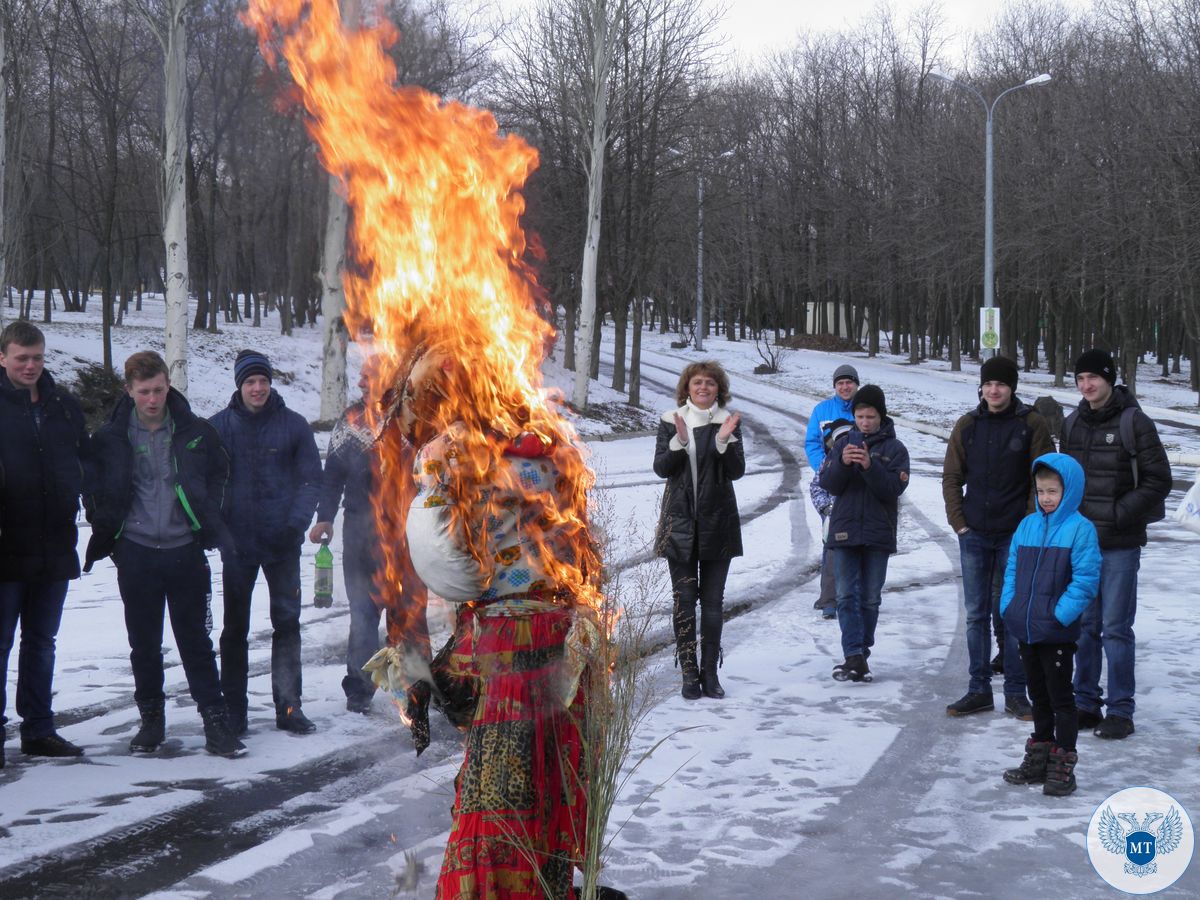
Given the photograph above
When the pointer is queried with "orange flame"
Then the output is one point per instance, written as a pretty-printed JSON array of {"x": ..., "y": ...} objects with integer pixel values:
[{"x": 437, "y": 261}]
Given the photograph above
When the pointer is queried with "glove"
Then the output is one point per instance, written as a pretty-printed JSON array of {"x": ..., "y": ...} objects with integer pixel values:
[{"x": 284, "y": 540}]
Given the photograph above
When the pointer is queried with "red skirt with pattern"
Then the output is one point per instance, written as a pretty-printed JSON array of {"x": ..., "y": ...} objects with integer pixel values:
[{"x": 520, "y": 800}]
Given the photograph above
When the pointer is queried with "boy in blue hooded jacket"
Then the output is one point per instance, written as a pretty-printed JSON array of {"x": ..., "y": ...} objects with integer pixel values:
[{"x": 1053, "y": 574}]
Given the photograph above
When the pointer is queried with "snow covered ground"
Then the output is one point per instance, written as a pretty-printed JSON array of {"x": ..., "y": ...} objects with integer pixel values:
[{"x": 795, "y": 786}]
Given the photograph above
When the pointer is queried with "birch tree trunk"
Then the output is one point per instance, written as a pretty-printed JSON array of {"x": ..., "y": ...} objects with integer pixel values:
[
  {"x": 174, "y": 198},
  {"x": 602, "y": 50},
  {"x": 333, "y": 299}
]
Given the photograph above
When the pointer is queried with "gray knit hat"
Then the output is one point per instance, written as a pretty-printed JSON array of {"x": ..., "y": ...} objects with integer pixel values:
[{"x": 845, "y": 372}]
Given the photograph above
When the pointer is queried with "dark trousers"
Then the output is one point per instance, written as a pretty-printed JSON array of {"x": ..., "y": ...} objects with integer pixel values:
[
  {"x": 179, "y": 582},
  {"x": 283, "y": 586},
  {"x": 703, "y": 580},
  {"x": 1048, "y": 669},
  {"x": 38, "y": 606}
]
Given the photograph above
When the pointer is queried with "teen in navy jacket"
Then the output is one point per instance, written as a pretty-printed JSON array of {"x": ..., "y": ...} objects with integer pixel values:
[
  {"x": 867, "y": 471},
  {"x": 1052, "y": 577}
]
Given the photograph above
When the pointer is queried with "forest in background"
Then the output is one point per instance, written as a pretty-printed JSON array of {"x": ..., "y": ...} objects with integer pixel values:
[{"x": 836, "y": 181}]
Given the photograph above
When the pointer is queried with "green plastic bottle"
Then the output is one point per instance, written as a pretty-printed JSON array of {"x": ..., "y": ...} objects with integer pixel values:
[{"x": 323, "y": 583}]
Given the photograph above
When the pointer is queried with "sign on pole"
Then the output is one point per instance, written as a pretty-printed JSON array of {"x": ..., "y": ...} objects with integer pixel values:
[{"x": 989, "y": 328}]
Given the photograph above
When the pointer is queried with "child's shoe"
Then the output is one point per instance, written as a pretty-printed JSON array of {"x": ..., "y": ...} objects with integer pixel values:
[
  {"x": 1060, "y": 772},
  {"x": 1032, "y": 769}
]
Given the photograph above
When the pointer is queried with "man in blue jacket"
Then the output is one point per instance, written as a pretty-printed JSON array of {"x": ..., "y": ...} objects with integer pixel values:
[
  {"x": 42, "y": 443},
  {"x": 275, "y": 477},
  {"x": 845, "y": 383}
]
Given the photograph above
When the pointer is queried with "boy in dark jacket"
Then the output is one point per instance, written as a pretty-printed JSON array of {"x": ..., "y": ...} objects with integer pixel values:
[
  {"x": 275, "y": 476},
  {"x": 154, "y": 497},
  {"x": 867, "y": 471},
  {"x": 1052, "y": 576},
  {"x": 43, "y": 443}
]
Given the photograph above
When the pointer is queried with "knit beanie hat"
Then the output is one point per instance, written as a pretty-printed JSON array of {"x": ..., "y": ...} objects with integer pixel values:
[
  {"x": 998, "y": 368},
  {"x": 835, "y": 429},
  {"x": 870, "y": 395},
  {"x": 845, "y": 372},
  {"x": 1096, "y": 362},
  {"x": 250, "y": 362}
]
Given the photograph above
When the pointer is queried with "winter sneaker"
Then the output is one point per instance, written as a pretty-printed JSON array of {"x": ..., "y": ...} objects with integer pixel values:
[
  {"x": 52, "y": 744},
  {"x": 219, "y": 739},
  {"x": 971, "y": 703},
  {"x": 1032, "y": 769},
  {"x": 1089, "y": 719},
  {"x": 1060, "y": 772},
  {"x": 359, "y": 704},
  {"x": 853, "y": 669},
  {"x": 1114, "y": 728},
  {"x": 1017, "y": 705},
  {"x": 295, "y": 721},
  {"x": 153, "y": 729}
]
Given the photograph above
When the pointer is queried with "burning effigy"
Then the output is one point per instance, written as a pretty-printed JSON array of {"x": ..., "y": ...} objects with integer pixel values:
[{"x": 493, "y": 515}]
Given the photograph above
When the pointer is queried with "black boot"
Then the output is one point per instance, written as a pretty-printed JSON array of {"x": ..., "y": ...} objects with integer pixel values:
[
  {"x": 1033, "y": 767},
  {"x": 219, "y": 739},
  {"x": 154, "y": 727},
  {"x": 1060, "y": 772},
  {"x": 710, "y": 658},
  {"x": 691, "y": 674},
  {"x": 853, "y": 669}
]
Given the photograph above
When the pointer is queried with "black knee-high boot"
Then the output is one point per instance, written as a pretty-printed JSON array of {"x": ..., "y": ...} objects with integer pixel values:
[
  {"x": 685, "y": 647},
  {"x": 710, "y": 652}
]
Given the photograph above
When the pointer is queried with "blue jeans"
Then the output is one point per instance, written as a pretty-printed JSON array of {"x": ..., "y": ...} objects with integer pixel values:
[
  {"x": 859, "y": 573},
  {"x": 983, "y": 559},
  {"x": 38, "y": 605},
  {"x": 1108, "y": 624}
]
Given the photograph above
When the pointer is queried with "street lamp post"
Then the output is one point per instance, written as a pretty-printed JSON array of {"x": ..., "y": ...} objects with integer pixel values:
[{"x": 989, "y": 252}]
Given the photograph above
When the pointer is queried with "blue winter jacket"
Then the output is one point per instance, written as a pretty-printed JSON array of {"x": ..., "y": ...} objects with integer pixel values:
[
  {"x": 823, "y": 413},
  {"x": 1053, "y": 565},
  {"x": 275, "y": 477},
  {"x": 868, "y": 500}
]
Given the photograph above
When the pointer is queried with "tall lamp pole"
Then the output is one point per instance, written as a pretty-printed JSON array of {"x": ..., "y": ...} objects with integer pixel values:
[{"x": 989, "y": 249}]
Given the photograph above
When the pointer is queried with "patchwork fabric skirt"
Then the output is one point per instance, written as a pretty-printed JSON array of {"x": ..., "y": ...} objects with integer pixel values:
[{"x": 520, "y": 800}]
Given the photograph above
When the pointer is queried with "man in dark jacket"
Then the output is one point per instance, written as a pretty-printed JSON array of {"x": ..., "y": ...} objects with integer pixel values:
[
  {"x": 991, "y": 454},
  {"x": 349, "y": 471},
  {"x": 275, "y": 479},
  {"x": 1128, "y": 479},
  {"x": 867, "y": 470},
  {"x": 154, "y": 497},
  {"x": 42, "y": 443}
]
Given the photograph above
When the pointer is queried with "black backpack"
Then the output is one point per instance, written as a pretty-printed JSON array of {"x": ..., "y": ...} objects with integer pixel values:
[{"x": 1159, "y": 512}]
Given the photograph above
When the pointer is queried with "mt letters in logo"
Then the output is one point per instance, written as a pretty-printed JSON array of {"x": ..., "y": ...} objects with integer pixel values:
[{"x": 1140, "y": 840}]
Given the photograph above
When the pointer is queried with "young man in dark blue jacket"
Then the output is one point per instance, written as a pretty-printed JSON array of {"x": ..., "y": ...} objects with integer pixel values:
[
  {"x": 275, "y": 478},
  {"x": 350, "y": 472},
  {"x": 154, "y": 492},
  {"x": 43, "y": 442},
  {"x": 987, "y": 487},
  {"x": 1052, "y": 575},
  {"x": 867, "y": 471}
]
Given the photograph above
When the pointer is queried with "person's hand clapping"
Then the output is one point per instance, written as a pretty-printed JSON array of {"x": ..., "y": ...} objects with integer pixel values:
[
  {"x": 728, "y": 427},
  {"x": 681, "y": 429}
]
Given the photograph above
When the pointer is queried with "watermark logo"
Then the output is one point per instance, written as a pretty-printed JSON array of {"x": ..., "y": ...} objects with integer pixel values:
[{"x": 1140, "y": 840}]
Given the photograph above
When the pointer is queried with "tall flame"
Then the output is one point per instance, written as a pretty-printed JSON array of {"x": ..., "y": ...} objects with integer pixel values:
[{"x": 437, "y": 256}]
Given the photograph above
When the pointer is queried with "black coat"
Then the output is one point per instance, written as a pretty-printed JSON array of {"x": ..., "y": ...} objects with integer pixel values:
[
  {"x": 700, "y": 523},
  {"x": 41, "y": 477},
  {"x": 275, "y": 477},
  {"x": 1119, "y": 511},
  {"x": 201, "y": 466},
  {"x": 867, "y": 506}
]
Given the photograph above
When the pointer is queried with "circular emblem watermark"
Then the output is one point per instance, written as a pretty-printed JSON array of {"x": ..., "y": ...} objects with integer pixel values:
[{"x": 1140, "y": 840}]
